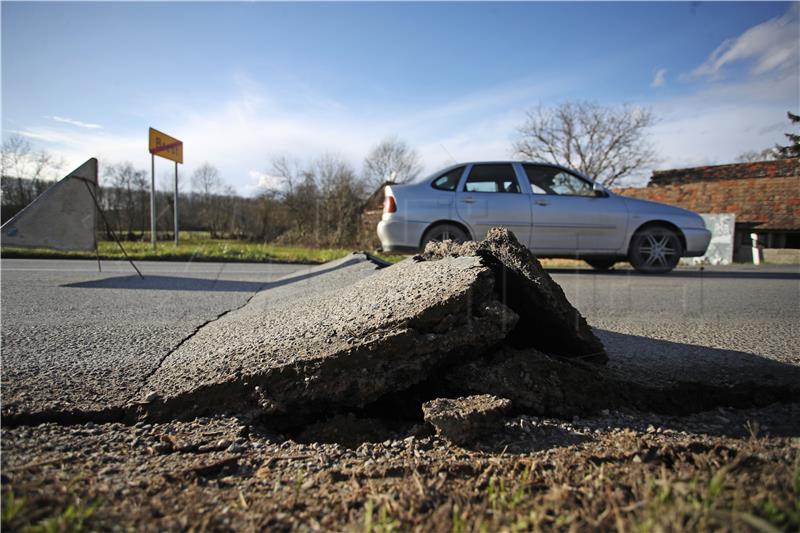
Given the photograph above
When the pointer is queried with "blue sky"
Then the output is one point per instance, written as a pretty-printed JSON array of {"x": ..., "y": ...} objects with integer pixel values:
[{"x": 241, "y": 83}]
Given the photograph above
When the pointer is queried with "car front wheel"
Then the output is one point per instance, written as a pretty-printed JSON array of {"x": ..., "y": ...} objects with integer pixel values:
[{"x": 655, "y": 250}]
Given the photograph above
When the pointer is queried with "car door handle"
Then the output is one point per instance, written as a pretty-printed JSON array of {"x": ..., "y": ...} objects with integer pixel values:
[
  {"x": 542, "y": 202},
  {"x": 468, "y": 201}
]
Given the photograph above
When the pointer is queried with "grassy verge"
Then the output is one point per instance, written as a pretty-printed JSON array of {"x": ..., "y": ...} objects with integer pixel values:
[
  {"x": 198, "y": 247},
  {"x": 192, "y": 250}
]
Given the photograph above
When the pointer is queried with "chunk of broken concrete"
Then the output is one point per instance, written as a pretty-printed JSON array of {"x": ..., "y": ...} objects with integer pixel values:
[
  {"x": 462, "y": 420},
  {"x": 382, "y": 334},
  {"x": 538, "y": 383},
  {"x": 548, "y": 322}
]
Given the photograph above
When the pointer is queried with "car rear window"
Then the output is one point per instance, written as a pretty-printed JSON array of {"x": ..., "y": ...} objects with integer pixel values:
[
  {"x": 448, "y": 181},
  {"x": 492, "y": 178}
]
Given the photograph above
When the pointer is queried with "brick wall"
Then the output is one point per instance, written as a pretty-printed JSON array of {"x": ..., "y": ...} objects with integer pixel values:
[
  {"x": 764, "y": 193},
  {"x": 761, "y": 169}
]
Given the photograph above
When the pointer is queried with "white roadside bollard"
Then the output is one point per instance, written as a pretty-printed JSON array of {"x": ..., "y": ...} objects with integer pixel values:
[{"x": 756, "y": 253}]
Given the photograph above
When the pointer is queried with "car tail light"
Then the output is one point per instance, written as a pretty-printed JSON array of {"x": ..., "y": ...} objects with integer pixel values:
[{"x": 389, "y": 206}]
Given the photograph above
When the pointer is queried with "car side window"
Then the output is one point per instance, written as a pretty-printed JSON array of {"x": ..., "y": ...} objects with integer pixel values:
[
  {"x": 498, "y": 177},
  {"x": 551, "y": 180},
  {"x": 448, "y": 181}
]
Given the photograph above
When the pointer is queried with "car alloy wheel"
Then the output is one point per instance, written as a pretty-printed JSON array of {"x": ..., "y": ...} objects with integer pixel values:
[{"x": 655, "y": 250}]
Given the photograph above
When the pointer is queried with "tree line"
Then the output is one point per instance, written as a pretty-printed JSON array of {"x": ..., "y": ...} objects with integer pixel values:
[{"x": 317, "y": 202}]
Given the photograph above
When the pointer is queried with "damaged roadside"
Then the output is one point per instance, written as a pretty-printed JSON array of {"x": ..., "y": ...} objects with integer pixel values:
[{"x": 422, "y": 374}]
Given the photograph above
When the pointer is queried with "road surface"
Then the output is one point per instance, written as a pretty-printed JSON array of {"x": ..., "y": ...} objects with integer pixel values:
[{"x": 74, "y": 339}]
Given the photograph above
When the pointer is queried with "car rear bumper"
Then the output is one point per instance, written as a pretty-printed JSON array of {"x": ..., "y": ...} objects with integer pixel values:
[
  {"x": 400, "y": 235},
  {"x": 697, "y": 240}
]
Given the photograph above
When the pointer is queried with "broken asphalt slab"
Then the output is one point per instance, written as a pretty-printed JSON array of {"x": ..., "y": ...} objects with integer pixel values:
[
  {"x": 379, "y": 335},
  {"x": 547, "y": 319},
  {"x": 73, "y": 353}
]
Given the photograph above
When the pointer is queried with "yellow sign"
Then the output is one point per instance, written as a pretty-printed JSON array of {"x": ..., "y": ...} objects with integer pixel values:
[{"x": 165, "y": 146}]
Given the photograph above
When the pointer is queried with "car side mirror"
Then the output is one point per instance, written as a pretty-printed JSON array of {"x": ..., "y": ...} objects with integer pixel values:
[{"x": 598, "y": 190}]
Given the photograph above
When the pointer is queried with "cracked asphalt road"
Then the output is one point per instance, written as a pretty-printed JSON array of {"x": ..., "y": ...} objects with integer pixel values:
[{"x": 76, "y": 339}]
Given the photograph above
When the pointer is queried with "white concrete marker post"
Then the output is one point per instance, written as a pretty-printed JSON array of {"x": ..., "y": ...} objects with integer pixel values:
[{"x": 756, "y": 255}]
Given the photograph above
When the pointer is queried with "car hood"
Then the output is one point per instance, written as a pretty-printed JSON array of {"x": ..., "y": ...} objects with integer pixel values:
[{"x": 677, "y": 215}]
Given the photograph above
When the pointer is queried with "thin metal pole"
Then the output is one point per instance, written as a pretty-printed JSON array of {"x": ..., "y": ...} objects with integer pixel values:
[
  {"x": 111, "y": 231},
  {"x": 177, "y": 227},
  {"x": 153, "y": 200}
]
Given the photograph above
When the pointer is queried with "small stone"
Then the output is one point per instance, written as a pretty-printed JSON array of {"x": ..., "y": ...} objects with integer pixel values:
[
  {"x": 151, "y": 396},
  {"x": 235, "y": 448},
  {"x": 462, "y": 420},
  {"x": 163, "y": 448}
]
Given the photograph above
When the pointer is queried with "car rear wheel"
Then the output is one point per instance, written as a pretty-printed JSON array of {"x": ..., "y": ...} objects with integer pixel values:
[
  {"x": 600, "y": 264},
  {"x": 444, "y": 232},
  {"x": 655, "y": 250}
]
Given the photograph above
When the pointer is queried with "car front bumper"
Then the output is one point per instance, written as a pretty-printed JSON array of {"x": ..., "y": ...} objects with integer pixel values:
[{"x": 697, "y": 241}]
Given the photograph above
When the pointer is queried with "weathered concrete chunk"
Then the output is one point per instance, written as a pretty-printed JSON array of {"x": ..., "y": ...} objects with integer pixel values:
[
  {"x": 462, "y": 420},
  {"x": 382, "y": 334},
  {"x": 548, "y": 322},
  {"x": 538, "y": 383}
]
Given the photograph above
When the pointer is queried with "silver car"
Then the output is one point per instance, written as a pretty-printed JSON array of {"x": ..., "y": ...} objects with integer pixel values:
[{"x": 555, "y": 211}]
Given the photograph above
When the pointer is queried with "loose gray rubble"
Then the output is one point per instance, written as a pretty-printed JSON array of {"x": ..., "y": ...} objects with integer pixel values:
[{"x": 462, "y": 420}]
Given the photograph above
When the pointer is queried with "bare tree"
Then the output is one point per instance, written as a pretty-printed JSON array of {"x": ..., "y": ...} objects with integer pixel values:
[
  {"x": 767, "y": 154},
  {"x": 206, "y": 180},
  {"x": 323, "y": 200},
  {"x": 18, "y": 159},
  {"x": 391, "y": 160},
  {"x": 605, "y": 143},
  {"x": 130, "y": 199},
  {"x": 208, "y": 185}
]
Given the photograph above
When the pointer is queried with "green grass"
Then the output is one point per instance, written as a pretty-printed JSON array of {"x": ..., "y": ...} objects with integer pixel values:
[
  {"x": 192, "y": 250},
  {"x": 18, "y": 516},
  {"x": 198, "y": 246}
]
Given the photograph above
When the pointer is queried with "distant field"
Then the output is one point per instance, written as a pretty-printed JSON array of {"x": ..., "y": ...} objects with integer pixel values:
[{"x": 195, "y": 250}]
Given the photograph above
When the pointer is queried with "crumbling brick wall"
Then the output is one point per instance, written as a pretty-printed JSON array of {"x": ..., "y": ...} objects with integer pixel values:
[{"x": 765, "y": 195}]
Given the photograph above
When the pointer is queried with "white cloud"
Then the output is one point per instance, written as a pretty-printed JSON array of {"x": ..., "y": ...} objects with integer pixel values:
[
  {"x": 74, "y": 122},
  {"x": 659, "y": 79},
  {"x": 242, "y": 134},
  {"x": 771, "y": 46},
  {"x": 722, "y": 121},
  {"x": 264, "y": 181}
]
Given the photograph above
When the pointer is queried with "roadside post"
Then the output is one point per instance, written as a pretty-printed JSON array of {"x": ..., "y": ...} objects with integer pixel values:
[{"x": 163, "y": 145}]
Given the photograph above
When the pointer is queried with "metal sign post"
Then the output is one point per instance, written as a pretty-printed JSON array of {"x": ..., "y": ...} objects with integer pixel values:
[
  {"x": 163, "y": 145},
  {"x": 175, "y": 204},
  {"x": 153, "y": 200}
]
